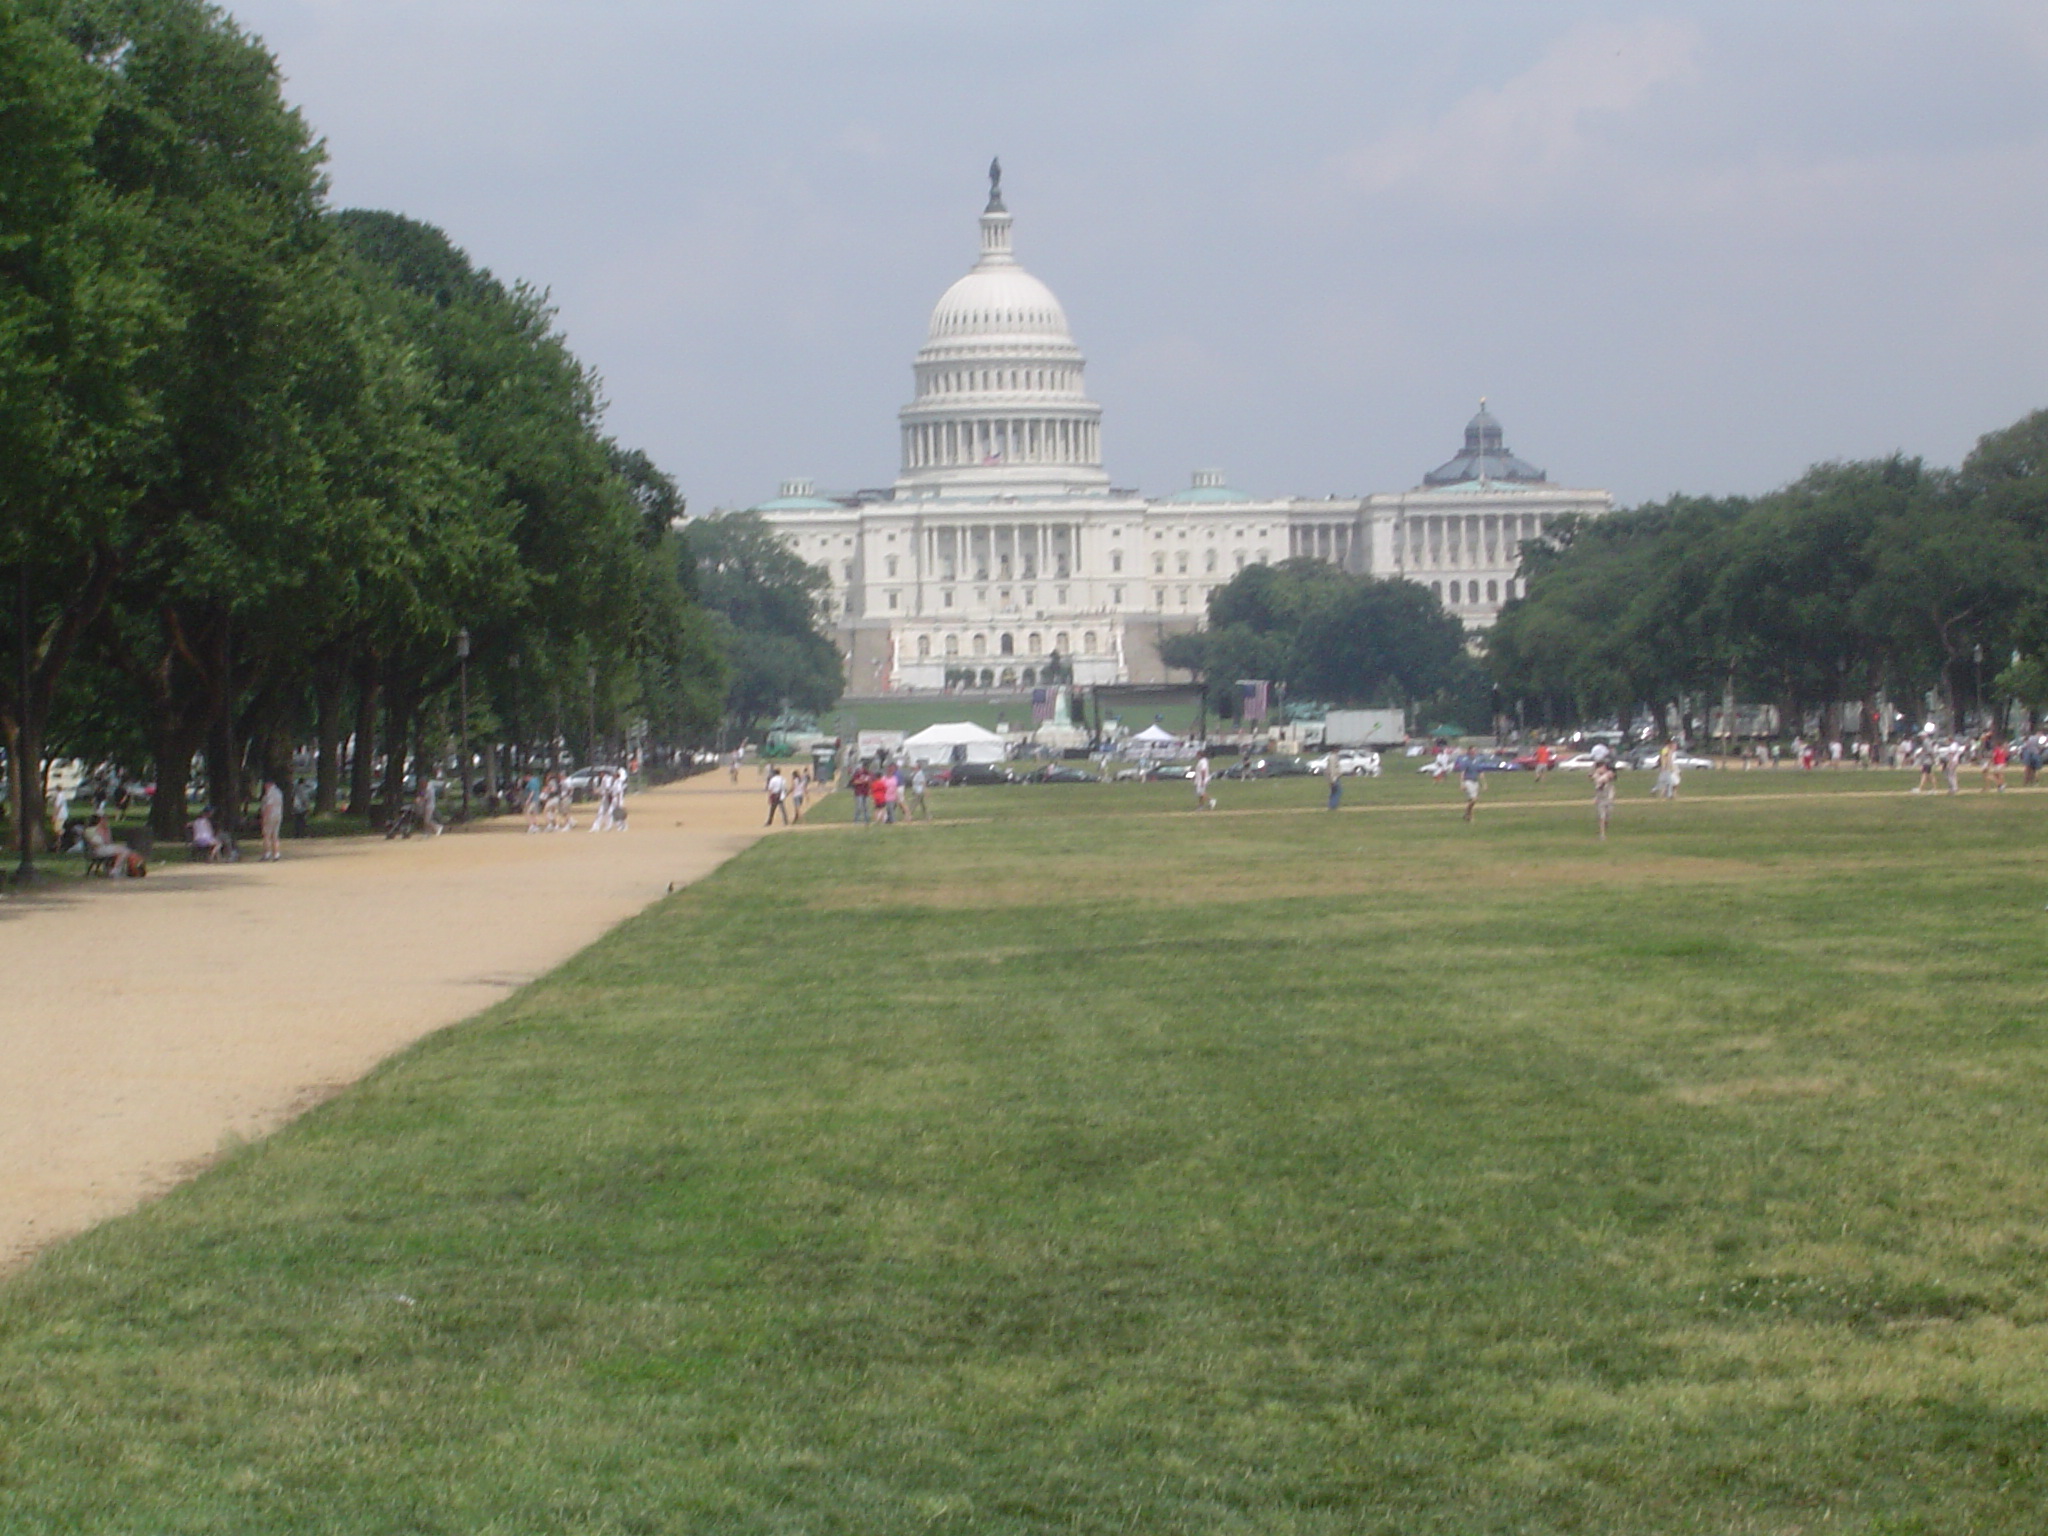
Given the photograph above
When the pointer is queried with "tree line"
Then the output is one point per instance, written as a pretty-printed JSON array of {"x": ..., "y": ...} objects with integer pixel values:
[
  {"x": 1873, "y": 580},
  {"x": 268, "y": 469},
  {"x": 1327, "y": 635}
]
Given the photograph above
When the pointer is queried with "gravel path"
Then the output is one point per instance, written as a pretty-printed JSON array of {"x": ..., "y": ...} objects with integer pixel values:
[{"x": 147, "y": 1023}]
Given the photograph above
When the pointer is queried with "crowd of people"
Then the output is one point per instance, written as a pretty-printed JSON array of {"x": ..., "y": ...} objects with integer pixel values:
[
  {"x": 884, "y": 794},
  {"x": 549, "y": 799}
]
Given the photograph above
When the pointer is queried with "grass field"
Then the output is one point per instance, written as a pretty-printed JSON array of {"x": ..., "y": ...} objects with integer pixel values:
[{"x": 1079, "y": 1164}]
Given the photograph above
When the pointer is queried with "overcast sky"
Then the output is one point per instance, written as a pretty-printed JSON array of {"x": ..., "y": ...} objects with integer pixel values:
[{"x": 1681, "y": 247}]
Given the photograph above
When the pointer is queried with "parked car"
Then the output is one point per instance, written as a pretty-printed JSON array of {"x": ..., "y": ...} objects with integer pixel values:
[
  {"x": 1582, "y": 762},
  {"x": 979, "y": 773},
  {"x": 1348, "y": 762},
  {"x": 1646, "y": 757},
  {"x": 1489, "y": 762},
  {"x": 1275, "y": 767},
  {"x": 582, "y": 783},
  {"x": 1060, "y": 773}
]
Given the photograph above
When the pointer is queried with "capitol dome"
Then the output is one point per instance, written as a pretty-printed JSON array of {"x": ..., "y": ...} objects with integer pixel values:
[{"x": 1000, "y": 408}]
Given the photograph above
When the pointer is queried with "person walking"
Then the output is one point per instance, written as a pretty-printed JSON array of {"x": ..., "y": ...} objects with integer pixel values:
[
  {"x": 1952, "y": 765},
  {"x": 2030, "y": 760},
  {"x": 878, "y": 792},
  {"x": 1603, "y": 795},
  {"x": 861, "y": 783},
  {"x": 799, "y": 787},
  {"x": 270, "y": 813},
  {"x": 1203, "y": 799},
  {"x": 776, "y": 789},
  {"x": 1923, "y": 759},
  {"x": 1994, "y": 767},
  {"x": 1466, "y": 763},
  {"x": 425, "y": 801},
  {"x": 919, "y": 784},
  {"x": 1333, "y": 770},
  {"x": 1667, "y": 773},
  {"x": 1544, "y": 758}
]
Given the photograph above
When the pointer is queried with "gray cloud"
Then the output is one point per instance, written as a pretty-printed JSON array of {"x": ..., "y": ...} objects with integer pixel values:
[{"x": 1681, "y": 246}]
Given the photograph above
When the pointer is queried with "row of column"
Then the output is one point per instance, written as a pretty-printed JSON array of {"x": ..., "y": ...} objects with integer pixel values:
[
  {"x": 1022, "y": 440},
  {"x": 1457, "y": 541},
  {"x": 1003, "y": 552},
  {"x": 1323, "y": 541}
]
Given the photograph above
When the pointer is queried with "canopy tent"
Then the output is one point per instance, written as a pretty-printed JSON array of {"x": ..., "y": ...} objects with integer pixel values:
[
  {"x": 938, "y": 743},
  {"x": 1154, "y": 741}
]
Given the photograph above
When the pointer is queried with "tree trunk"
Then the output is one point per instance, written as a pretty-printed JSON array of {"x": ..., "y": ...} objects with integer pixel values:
[
  {"x": 362, "y": 767},
  {"x": 328, "y": 682},
  {"x": 398, "y": 716},
  {"x": 172, "y": 746},
  {"x": 25, "y": 763}
]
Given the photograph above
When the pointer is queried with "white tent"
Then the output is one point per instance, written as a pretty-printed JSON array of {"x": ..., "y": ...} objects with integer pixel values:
[
  {"x": 1155, "y": 738},
  {"x": 935, "y": 744}
]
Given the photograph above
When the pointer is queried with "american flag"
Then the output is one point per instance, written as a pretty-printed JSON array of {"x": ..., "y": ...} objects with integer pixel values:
[
  {"x": 1041, "y": 704},
  {"x": 1253, "y": 694}
]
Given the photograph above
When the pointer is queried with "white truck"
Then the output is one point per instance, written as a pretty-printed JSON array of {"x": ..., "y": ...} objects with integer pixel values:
[{"x": 1364, "y": 728}]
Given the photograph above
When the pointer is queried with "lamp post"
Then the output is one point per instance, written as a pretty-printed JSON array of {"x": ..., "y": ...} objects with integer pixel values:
[
  {"x": 590, "y": 734},
  {"x": 462, "y": 663}
]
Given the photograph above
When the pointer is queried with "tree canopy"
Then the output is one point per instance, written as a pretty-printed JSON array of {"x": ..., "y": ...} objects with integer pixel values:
[
  {"x": 262, "y": 463},
  {"x": 1327, "y": 635},
  {"x": 1858, "y": 580}
]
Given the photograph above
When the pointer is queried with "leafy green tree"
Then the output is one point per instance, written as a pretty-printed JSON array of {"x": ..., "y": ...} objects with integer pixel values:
[
  {"x": 770, "y": 604},
  {"x": 1326, "y": 634},
  {"x": 681, "y": 671},
  {"x": 79, "y": 312}
]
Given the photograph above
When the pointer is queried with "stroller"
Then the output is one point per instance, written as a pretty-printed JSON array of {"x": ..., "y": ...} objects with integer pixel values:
[{"x": 404, "y": 822}]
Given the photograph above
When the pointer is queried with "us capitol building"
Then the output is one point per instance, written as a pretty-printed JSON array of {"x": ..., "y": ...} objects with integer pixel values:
[{"x": 1003, "y": 545}]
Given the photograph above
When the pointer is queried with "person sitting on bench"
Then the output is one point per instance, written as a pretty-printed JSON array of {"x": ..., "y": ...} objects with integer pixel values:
[{"x": 208, "y": 846}]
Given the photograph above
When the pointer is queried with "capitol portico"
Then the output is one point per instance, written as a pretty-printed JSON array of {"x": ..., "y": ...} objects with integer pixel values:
[{"x": 1003, "y": 545}]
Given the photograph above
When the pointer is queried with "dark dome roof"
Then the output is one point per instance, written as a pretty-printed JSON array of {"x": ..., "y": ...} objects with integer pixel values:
[{"x": 1485, "y": 457}]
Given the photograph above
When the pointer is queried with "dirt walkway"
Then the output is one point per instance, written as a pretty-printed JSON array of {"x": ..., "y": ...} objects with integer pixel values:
[{"x": 146, "y": 1022}]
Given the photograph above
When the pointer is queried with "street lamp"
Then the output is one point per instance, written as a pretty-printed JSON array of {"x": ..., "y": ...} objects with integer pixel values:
[{"x": 462, "y": 661}]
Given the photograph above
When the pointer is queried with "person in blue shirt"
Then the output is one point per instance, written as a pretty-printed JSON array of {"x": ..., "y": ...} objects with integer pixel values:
[{"x": 1467, "y": 766}]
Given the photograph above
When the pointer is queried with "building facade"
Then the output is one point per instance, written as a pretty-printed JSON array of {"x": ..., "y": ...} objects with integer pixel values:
[{"x": 1002, "y": 547}]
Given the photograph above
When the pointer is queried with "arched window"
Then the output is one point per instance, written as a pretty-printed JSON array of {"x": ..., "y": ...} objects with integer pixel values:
[
  {"x": 1493, "y": 591},
  {"x": 988, "y": 678},
  {"x": 981, "y": 645},
  {"x": 1436, "y": 589},
  {"x": 1059, "y": 643},
  {"x": 1088, "y": 643},
  {"x": 1007, "y": 646},
  {"x": 924, "y": 646},
  {"x": 952, "y": 645},
  {"x": 1032, "y": 647},
  {"x": 1009, "y": 677},
  {"x": 1028, "y": 678},
  {"x": 1454, "y": 594}
]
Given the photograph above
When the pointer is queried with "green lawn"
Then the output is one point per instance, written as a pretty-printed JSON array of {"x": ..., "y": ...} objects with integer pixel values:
[{"x": 1080, "y": 1164}]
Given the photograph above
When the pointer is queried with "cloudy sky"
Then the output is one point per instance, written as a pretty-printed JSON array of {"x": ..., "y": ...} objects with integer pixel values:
[{"x": 1693, "y": 246}]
